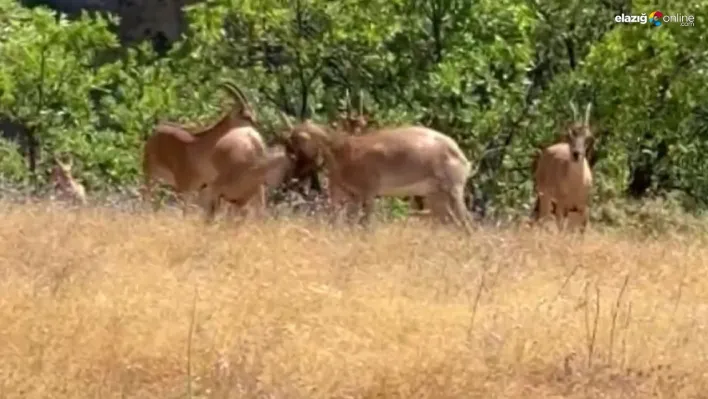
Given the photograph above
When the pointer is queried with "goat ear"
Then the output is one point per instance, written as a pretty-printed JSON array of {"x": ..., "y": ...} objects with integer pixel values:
[
  {"x": 590, "y": 142},
  {"x": 61, "y": 164},
  {"x": 568, "y": 134}
]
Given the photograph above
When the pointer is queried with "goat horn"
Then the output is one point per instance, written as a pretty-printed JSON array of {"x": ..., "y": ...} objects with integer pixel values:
[
  {"x": 243, "y": 96},
  {"x": 575, "y": 110},
  {"x": 235, "y": 92},
  {"x": 361, "y": 102},
  {"x": 312, "y": 110},
  {"x": 285, "y": 119},
  {"x": 587, "y": 113},
  {"x": 348, "y": 101}
]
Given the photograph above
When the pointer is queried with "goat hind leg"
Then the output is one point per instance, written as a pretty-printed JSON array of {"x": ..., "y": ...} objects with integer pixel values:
[
  {"x": 545, "y": 208},
  {"x": 440, "y": 207},
  {"x": 210, "y": 202},
  {"x": 368, "y": 204},
  {"x": 257, "y": 203},
  {"x": 457, "y": 209},
  {"x": 561, "y": 213}
]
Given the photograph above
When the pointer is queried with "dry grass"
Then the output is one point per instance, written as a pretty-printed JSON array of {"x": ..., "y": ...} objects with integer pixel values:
[{"x": 98, "y": 303}]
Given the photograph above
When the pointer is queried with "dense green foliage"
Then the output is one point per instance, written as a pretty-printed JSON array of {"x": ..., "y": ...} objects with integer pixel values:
[{"x": 497, "y": 75}]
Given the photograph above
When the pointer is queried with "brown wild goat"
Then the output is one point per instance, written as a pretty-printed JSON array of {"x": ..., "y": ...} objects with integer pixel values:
[
  {"x": 403, "y": 161},
  {"x": 240, "y": 185},
  {"x": 64, "y": 182},
  {"x": 562, "y": 175},
  {"x": 189, "y": 161}
]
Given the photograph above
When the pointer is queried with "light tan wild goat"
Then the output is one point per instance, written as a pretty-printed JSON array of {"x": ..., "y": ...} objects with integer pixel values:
[
  {"x": 395, "y": 162},
  {"x": 239, "y": 186},
  {"x": 63, "y": 181},
  {"x": 562, "y": 175},
  {"x": 189, "y": 161},
  {"x": 355, "y": 125}
]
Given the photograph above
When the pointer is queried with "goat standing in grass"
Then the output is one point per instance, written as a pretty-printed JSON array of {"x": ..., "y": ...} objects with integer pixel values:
[
  {"x": 63, "y": 181},
  {"x": 403, "y": 161},
  {"x": 562, "y": 176},
  {"x": 240, "y": 185},
  {"x": 189, "y": 161},
  {"x": 356, "y": 125}
]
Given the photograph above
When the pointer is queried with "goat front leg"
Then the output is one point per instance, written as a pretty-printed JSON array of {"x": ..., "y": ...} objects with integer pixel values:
[
  {"x": 368, "y": 204},
  {"x": 342, "y": 202},
  {"x": 257, "y": 203},
  {"x": 561, "y": 213},
  {"x": 209, "y": 201},
  {"x": 581, "y": 218},
  {"x": 146, "y": 194}
]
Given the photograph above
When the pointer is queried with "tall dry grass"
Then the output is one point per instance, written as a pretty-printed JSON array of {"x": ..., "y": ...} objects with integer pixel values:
[{"x": 99, "y": 303}]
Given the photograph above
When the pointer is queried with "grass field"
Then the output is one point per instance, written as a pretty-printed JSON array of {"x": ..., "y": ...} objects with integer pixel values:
[{"x": 102, "y": 304}]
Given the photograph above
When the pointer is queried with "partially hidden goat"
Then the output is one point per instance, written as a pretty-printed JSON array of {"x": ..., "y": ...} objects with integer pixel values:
[
  {"x": 562, "y": 175},
  {"x": 65, "y": 183},
  {"x": 188, "y": 162},
  {"x": 238, "y": 186}
]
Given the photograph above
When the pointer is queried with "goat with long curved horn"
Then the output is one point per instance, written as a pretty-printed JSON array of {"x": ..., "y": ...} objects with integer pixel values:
[{"x": 189, "y": 162}]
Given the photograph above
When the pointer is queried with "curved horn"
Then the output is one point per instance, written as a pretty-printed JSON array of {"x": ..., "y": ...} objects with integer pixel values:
[
  {"x": 235, "y": 92},
  {"x": 348, "y": 101},
  {"x": 575, "y": 110},
  {"x": 243, "y": 96},
  {"x": 312, "y": 110},
  {"x": 230, "y": 88},
  {"x": 587, "y": 113},
  {"x": 286, "y": 120},
  {"x": 60, "y": 162},
  {"x": 361, "y": 102}
]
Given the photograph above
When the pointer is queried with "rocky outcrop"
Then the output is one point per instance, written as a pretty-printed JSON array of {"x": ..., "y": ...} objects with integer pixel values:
[{"x": 160, "y": 21}]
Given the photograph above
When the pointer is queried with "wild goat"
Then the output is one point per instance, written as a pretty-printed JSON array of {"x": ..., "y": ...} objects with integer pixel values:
[
  {"x": 239, "y": 185},
  {"x": 189, "y": 161},
  {"x": 64, "y": 182},
  {"x": 401, "y": 161},
  {"x": 562, "y": 175},
  {"x": 348, "y": 121},
  {"x": 358, "y": 124}
]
